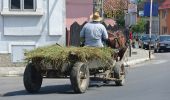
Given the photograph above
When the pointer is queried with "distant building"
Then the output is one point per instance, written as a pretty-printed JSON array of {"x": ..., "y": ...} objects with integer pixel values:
[
  {"x": 155, "y": 17},
  {"x": 27, "y": 24},
  {"x": 164, "y": 16},
  {"x": 154, "y": 9}
]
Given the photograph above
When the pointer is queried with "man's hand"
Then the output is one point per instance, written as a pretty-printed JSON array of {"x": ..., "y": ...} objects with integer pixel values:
[{"x": 82, "y": 42}]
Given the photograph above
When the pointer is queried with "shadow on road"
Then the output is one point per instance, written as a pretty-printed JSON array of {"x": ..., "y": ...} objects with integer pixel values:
[{"x": 56, "y": 89}]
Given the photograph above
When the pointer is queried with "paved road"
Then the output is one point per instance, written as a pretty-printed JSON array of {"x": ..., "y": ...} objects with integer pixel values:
[{"x": 148, "y": 81}]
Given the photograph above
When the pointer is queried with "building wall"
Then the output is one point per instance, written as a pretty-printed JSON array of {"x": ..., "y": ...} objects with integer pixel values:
[
  {"x": 78, "y": 11},
  {"x": 28, "y": 30},
  {"x": 168, "y": 21},
  {"x": 130, "y": 19},
  {"x": 155, "y": 24},
  {"x": 164, "y": 22}
]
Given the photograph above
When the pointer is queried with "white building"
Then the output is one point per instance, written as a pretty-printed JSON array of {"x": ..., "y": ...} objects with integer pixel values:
[{"x": 27, "y": 24}]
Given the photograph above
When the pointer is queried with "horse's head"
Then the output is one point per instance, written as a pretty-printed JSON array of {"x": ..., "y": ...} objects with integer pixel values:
[{"x": 116, "y": 39}]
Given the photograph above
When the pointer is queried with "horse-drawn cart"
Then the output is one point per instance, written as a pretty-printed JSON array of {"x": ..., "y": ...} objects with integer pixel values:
[{"x": 79, "y": 67}]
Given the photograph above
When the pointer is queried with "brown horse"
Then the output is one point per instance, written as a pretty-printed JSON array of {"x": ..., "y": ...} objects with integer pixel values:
[{"x": 117, "y": 40}]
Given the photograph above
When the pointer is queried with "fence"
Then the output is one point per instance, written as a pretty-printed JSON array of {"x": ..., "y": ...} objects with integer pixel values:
[{"x": 73, "y": 36}]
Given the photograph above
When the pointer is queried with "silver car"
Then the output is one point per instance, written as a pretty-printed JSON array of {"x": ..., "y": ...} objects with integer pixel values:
[
  {"x": 145, "y": 40},
  {"x": 164, "y": 43}
]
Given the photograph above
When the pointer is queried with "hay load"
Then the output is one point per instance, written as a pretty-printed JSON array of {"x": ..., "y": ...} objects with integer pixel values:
[{"x": 55, "y": 56}]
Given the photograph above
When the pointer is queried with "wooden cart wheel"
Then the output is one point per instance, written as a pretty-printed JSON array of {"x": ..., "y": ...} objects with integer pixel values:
[
  {"x": 119, "y": 73},
  {"x": 79, "y": 77},
  {"x": 32, "y": 79}
]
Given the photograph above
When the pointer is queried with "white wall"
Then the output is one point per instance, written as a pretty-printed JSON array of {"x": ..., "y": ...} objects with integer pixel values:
[
  {"x": 130, "y": 19},
  {"x": 3, "y": 44},
  {"x": 45, "y": 26}
]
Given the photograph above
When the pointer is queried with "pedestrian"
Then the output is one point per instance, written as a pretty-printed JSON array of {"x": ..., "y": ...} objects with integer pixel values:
[
  {"x": 94, "y": 33},
  {"x": 131, "y": 36},
  {"x": 126, "y": 34}
]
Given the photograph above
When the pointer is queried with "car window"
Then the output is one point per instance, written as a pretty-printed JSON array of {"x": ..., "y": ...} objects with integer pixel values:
[
  {"x": 146, "y": 37},
  {"x": 164, "y": 38}
]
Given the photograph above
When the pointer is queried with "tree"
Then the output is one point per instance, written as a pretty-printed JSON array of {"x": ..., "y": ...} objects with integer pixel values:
[
  {"x": 139, "y": 27},
  {"x": 120, "y": 19},
  {"x": 115, "y": 9}
]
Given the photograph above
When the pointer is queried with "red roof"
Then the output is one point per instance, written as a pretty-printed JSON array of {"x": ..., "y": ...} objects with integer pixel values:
[
  {"x": 165, "y": 4},
  {"x": 110, "y": 22}
]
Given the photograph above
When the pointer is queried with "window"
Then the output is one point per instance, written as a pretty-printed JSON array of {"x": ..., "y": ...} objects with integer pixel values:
[
  {"x": 164, "y": 13},
  {"x": 28, "y": 4},
  {"x": 15, "y": 4},
  {"x": 22, "y": 5},
  {"x": 164, "y": 30}
]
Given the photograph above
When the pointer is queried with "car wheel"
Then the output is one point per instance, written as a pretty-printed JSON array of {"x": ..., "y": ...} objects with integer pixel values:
[{"x": 156, "y": 50}]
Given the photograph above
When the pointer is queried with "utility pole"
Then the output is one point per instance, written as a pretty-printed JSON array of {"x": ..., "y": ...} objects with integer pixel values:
[
  {"x": 150, "y": 29},
  {"x": 102, "y": 9},
  {"x": 98, "y": 6}
]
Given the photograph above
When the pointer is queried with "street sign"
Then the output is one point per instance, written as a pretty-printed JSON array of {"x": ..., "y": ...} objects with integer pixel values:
[{"x": 132, "y": 8}]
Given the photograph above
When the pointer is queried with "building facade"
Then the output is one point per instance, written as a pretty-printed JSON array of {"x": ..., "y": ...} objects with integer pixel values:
[
  {"x": 27, "y": 24},
  {"x": 164, "y": 16},
  {"x": 155, "y": 17},
  {"x": 78, "y": 11},
  {"x": 77, "y": 14}
]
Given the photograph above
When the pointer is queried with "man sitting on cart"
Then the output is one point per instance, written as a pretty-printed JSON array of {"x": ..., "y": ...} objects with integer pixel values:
[{"x": 94, "y": 33}]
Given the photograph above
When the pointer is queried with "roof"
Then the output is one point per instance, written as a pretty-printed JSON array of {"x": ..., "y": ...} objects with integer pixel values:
[
  {"x": 80, "y": 21},
  {"x": 165, "y": 5},
  {"x": 109, "y": 21}
]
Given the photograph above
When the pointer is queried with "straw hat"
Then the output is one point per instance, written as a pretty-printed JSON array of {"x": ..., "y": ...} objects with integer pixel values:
[{"x": 95, "y": 17}]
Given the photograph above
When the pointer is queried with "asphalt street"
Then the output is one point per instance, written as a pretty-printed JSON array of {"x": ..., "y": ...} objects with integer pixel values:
[{"x": 146, "y": 81}]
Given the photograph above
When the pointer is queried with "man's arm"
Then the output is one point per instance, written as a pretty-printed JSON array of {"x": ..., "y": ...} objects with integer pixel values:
[{"x": 104, "y": 34}]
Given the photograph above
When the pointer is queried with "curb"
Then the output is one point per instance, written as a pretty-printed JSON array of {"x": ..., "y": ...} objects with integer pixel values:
[
  {"x": 12, "y": 71},
  {"x": 137, "y": 61}
]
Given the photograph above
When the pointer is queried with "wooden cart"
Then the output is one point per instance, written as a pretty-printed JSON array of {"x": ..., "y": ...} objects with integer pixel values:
[{"x": 80, "y": 73}]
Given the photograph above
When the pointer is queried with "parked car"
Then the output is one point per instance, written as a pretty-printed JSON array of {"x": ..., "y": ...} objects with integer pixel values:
[
  {"x": 163, "y": 43},
  {"x": 145, "y": 39}
]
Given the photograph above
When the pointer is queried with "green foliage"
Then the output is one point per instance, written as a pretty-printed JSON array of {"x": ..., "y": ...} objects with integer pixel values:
[
  {"x": 139, "y": 1},
  {"x": 139, "y": 27},
  {"x": 120, "y": 19}
]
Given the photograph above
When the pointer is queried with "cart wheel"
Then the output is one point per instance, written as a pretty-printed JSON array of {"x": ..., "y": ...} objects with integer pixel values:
[
  {"x": 32, "y": 79},
  {"x": 79, "y": 77},
  {"x": 119, "y": 73}
]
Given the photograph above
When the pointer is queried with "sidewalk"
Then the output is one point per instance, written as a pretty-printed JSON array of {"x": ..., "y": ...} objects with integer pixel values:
[
  {"x": 11, "y": 71},
  {"x": 138, "y": 56}
]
